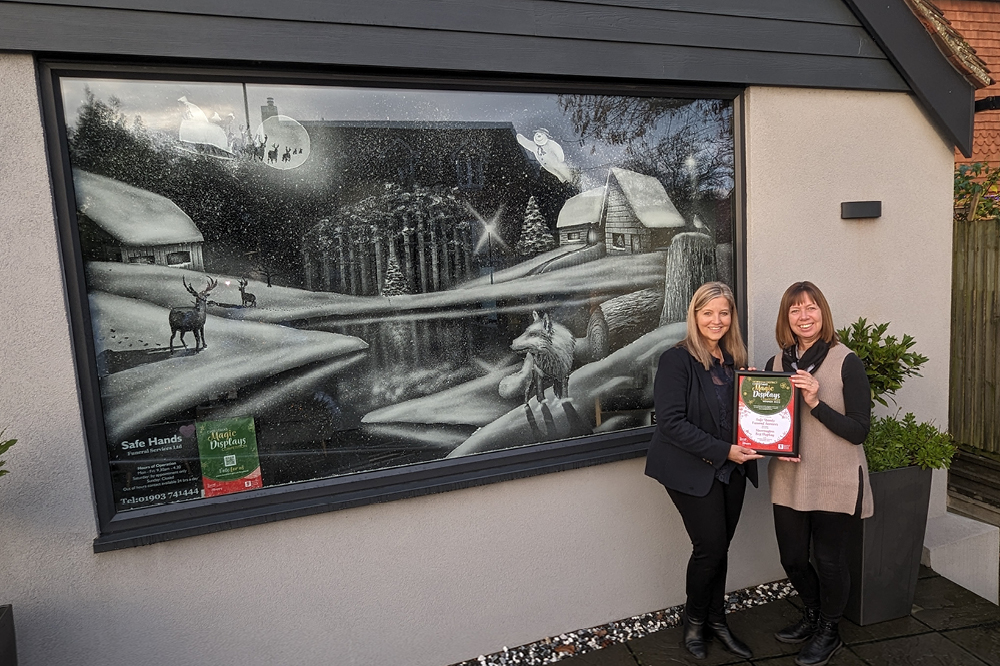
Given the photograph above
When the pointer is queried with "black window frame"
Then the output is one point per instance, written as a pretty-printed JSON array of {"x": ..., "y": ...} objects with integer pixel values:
[{"x": 161, "y": 523}]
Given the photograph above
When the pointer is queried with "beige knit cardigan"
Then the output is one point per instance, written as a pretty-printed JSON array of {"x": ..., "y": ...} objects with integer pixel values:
[{"x": 830, "y": 468}]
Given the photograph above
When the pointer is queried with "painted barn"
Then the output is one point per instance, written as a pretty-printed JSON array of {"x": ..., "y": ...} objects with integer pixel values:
[
  {"x": 109, "y": 231},
  {"x": 638, "y": 215}
]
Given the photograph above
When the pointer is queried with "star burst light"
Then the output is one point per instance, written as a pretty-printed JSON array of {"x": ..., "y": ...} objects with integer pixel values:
[{"x": 489, "y": 228}]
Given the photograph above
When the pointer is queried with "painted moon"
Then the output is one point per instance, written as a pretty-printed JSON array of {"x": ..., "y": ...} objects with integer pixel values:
[
  {"x": 287, "y": 142},
  {"x": 765, "y": 429}
]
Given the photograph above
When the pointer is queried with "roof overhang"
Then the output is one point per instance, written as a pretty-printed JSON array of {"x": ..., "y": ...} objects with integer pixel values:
[{"x": 946, "y": 94}]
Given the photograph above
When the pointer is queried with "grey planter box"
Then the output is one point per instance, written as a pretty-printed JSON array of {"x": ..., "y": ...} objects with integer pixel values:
[
  {"x": 884, "y": 554},
  {"x": 8, "y": 648}
]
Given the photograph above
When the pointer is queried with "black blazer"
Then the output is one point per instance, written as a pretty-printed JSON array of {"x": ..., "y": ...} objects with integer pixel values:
[{"x": 685, "y": 451}]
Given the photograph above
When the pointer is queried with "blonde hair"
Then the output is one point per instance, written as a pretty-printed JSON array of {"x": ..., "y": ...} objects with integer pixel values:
[
  {"x": 731, "y": 342},
  {"x": 795, "y": 295}
]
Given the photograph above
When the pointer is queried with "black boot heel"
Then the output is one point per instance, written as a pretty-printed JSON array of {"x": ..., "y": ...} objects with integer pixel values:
[
  {"x": 823, "y": 645},
  {"x": 802, "y": 630},
  {"x": 694, "y": 637},
  {"x": 729, "y": 642}
]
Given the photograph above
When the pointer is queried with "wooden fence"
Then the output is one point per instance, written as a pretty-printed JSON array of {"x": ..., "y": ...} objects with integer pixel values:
[{"x": 974, "y": 409}]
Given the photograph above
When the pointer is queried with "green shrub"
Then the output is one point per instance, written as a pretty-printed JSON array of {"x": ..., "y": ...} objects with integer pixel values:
[
  {"x": 888, "y": 361},
  {"x": 976, "y": 191},
  {"x": 4, "y": 446},
  {"x": 893, "y": 442}
]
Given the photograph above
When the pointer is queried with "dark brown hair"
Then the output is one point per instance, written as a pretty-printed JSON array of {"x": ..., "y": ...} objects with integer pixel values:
[{"x": 795, "y": 295}]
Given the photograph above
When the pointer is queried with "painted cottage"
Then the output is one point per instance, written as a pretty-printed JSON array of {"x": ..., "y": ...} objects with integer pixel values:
[
  {"x": 632, "y": 214},
  {"x": 638, "y": 215},
  {"x": 109, "y": 216}
]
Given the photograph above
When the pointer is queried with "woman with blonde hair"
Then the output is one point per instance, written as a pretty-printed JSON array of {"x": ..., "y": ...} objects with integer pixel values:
[
  {"x": 692, "y": 455},
  {"x": 818, "y": 497}
]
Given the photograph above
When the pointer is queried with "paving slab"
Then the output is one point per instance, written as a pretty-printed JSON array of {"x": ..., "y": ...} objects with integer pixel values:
[
  {"x": 904, "y": 626},
  {"x": 664, "y": 648},
  {"x": 948, "y": 626},
  {"x": 756, "y": 626},
  {"x": 984, "y": 642},
  {"x": 942, "y": 605},
  {"x": 844, "y": 657},
  {"x": 923, "y": 650}
]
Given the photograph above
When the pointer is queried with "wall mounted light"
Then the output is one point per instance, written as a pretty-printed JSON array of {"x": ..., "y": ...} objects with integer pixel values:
[{"x": 853, "y": 210}]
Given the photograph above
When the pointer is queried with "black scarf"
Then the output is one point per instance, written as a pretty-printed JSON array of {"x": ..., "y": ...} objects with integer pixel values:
[{"x": 810, "y": 361}]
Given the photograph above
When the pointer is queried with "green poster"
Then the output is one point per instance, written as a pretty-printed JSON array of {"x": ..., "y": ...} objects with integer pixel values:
[{"x": 228, "y": 451}]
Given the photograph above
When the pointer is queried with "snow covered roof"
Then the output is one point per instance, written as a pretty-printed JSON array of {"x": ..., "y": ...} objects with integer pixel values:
[
  {"x": 648, "y": 199},
  {"x": 584, "y": 208},
  {"x": 134, "y": 217}
]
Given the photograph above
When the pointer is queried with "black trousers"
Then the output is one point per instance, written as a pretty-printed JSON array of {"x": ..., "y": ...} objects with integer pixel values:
[
  {"x": 711, "y": 523},
  {"x": 828, "y": 585}
]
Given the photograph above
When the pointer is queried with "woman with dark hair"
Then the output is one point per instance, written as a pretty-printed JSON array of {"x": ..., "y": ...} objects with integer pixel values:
[
  {"x": 692, "y": 455},
  {"x": 819, "y": 496}
]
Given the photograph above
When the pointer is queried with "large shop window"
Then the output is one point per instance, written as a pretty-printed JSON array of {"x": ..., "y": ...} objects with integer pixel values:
[{"x": 299, "y": 297}]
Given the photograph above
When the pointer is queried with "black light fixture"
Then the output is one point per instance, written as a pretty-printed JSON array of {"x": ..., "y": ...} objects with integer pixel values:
[{"x": 854, "y": 210}]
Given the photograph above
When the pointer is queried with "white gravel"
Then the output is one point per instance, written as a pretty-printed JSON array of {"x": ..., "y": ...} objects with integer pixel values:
[{"x": 552, "y": 649}]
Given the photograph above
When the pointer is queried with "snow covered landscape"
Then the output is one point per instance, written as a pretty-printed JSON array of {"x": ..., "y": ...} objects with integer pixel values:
[{"x": 376, "y": 292}]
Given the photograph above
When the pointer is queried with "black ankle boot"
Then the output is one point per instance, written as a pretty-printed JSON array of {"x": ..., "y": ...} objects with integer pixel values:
[
  {"x": 694, "y": 637},
  {"x": 824, "y": 643},
  {"x": 802, "y": 630},
  {"x": 729, "y": 642}
]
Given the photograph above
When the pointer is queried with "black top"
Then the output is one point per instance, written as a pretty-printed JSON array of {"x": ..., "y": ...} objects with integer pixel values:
[
  {"x": 687, "y": 448},
  {"x": 854, "y": 423},
  {"x": 723, "y": 379}
]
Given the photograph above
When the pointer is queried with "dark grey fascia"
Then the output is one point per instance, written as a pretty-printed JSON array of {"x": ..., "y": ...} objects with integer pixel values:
[{"x": 946, "y": 95}]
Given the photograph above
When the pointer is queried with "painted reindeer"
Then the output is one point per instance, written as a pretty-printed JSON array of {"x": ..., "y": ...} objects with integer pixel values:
[
  {"x": 248, "y": 298},
  {"x": 191, "y": 319},
  {"x": 272, "y": 155}
]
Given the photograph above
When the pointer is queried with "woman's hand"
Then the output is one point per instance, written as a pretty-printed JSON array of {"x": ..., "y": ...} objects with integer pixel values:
[
  {"x": 741, "y": 454},
  {"x": 787, "y": 459},
  {"x": 806, "y": 383}
]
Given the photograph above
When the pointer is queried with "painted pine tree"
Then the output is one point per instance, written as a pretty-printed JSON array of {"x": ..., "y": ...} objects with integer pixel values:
[
  {"x": 395, "y": 283},
  {"x": 535, "y": 235}
]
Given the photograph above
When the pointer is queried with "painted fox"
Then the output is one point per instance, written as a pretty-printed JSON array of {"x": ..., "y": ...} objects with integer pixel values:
[{"x": 548, "y": 349}]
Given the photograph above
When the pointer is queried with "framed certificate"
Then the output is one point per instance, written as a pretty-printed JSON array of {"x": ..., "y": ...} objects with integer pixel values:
[{"x": 767, "y": 408}]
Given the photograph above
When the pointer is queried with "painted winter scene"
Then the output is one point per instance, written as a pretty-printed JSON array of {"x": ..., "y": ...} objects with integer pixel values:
[{"x": 384, "y": 277}]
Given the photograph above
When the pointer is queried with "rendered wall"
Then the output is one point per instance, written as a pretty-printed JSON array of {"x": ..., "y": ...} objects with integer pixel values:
[{"x": 434, "y": 580}]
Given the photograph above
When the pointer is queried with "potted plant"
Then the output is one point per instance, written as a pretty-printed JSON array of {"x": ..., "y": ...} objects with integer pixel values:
[
  {"x": 8, "y": 647},
  {"x": 901, "y": 452}
]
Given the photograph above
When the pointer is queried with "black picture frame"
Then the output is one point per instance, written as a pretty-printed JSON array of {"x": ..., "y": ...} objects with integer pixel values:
[
  {"x": 117, "y": 530},
  {"x": 795, "y": 402}
]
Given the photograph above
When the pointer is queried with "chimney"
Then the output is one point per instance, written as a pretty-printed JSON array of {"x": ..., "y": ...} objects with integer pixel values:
[{"x": 269, "y": 110}]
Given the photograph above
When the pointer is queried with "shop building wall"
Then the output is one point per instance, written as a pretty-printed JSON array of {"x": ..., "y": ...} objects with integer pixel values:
[
  {"x": 809, "y": 150},
  {"x": 445, "y": 577}
]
